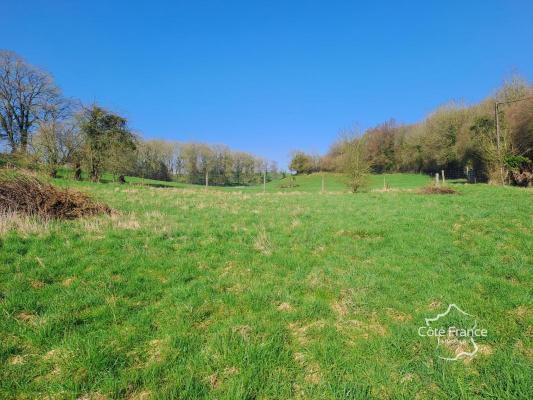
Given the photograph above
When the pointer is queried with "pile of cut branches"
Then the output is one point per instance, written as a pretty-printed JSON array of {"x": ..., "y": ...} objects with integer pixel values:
[{"x": 26, "y": 194}]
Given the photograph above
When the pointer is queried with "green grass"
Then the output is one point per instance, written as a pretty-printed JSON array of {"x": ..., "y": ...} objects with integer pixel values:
[
  {"x": 299, "y": 183},
  {"x": 233, "y": 294},
  {"x": 336, "y": 183}
]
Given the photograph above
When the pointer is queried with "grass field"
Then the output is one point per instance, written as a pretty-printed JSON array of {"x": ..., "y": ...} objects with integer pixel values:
[
  {"x": 335, "y": 183},
  {"x": 236, "y": 294}
]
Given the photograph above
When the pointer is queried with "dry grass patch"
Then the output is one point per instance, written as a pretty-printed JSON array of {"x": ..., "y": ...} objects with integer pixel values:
[
  {"x": 36, "y": 284},
  {"x": 231, "y": 371},
  {"x": 214, "y": 382},
  {"x": 313, "y": 374},
  {"x": 318, "y": 279},
  {"x": 522, "y": 312},
  {"x": 344, "y": 304},
  {"x": 68, "y": 282},
  {"x": 528, "y": 351},
  {"x": 262, "y": 243},
  {"x": 16, "y": 360},
  {"x": 398, "y": 315},
  {"x": 93, "y": 225},
  {"x": 243, "y": 330},
  {"x": 301, "y": 331},
  {"x": 125, "y": 221},
  {"x": 30, "y": 319},
  {"x": 358, "y": 329},
  {"x": 286, "y": 307},
  {"x": 156, "y": 349},
  {"x": 339, "y": 308},
  {"x": 22, "y": 224},
  {"x": 93, "y": 396},
  {"x": 434, "y": 305},
  {"x": 142, "y": 395},
  {"x": 154, "y": 214},
  {"x": 437, "y": 190}
]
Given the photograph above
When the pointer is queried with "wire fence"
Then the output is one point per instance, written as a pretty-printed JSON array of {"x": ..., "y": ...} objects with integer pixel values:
[
  {"x": 221, "y": 179},
  {"x": 466, "y": 174}
]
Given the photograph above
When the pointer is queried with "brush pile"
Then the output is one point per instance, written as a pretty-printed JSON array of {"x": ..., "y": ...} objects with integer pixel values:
[
  {"x": 25, "y": 194},
  {"x": 437, "y": 190}
]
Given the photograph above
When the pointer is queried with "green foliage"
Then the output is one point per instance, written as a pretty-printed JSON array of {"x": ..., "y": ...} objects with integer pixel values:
[
  {"x": 108, "y": 143},
  {"x": 354, "y": 164},
  {"x": 302, "y": 163},
  {"x": 452, "y": 138},
  {"x": 515, "y": 163},
  {"x": 18, "y": 160},
  {"x": 56, "y": 143},
  {"x": 221, "y": 165},
  {"x": 380, "y": 147}
]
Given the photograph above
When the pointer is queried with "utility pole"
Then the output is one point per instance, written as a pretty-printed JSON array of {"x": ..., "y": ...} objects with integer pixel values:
[
  {"x": 497, "y": 127},
  {"x": 497, "y": 119},
  {"x": 265, "y": 180}
]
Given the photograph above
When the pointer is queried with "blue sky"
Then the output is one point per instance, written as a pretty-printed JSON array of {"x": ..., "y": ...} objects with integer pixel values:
[{"x": 271, "y": 77}]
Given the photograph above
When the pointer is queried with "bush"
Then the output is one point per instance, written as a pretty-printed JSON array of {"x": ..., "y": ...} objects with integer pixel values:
[{"x": 515, "y": 163}]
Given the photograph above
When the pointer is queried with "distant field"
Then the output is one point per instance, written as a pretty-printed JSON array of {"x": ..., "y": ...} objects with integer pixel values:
[
  {"x": 335, "y": 182},
  {"x": 236, "y": 294},
  {"x": 299, "y": 183}
]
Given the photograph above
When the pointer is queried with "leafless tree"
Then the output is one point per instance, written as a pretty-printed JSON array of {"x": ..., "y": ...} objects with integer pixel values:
[
  {"x": 56, "y": 143},
  {"x": 27, "y": 96}
]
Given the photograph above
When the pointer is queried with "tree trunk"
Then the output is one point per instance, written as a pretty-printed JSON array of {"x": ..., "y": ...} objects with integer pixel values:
[
  {"x": 24, "y": 141},
  {"x": 94, "y": 174},
  {"x": 77, "y": 172}
]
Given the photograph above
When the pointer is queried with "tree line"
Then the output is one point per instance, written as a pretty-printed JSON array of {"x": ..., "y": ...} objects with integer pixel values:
[
  {"x": 454, "y": 138},
  {"x": 39, "y": 124}
]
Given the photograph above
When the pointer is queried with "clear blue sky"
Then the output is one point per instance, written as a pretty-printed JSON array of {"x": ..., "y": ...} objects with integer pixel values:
[{"x": 271, "y": 77}]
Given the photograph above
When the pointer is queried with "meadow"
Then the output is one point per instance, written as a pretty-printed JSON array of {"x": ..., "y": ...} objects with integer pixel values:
[{"x": 186, "y": 293}]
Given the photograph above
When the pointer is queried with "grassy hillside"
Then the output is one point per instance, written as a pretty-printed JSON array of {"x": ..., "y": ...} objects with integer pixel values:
[
  {"x": 230, "y": 294},
  {"x": 299, "y": 183},
  {"x": 336, "y": 183}
]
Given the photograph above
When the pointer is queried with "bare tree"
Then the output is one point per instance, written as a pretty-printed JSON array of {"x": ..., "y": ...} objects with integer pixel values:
[
  {"x": 27, "y": 96},
  {"x": 57, "y": 143}
]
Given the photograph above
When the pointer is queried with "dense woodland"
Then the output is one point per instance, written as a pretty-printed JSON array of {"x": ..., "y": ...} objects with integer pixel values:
[
  {"x": 42, "y": 128},
  {"x": 454, "y": 138}
]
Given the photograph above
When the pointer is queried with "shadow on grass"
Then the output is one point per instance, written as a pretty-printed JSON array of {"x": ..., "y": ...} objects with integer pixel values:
[{"x": 156, "y": 185}]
